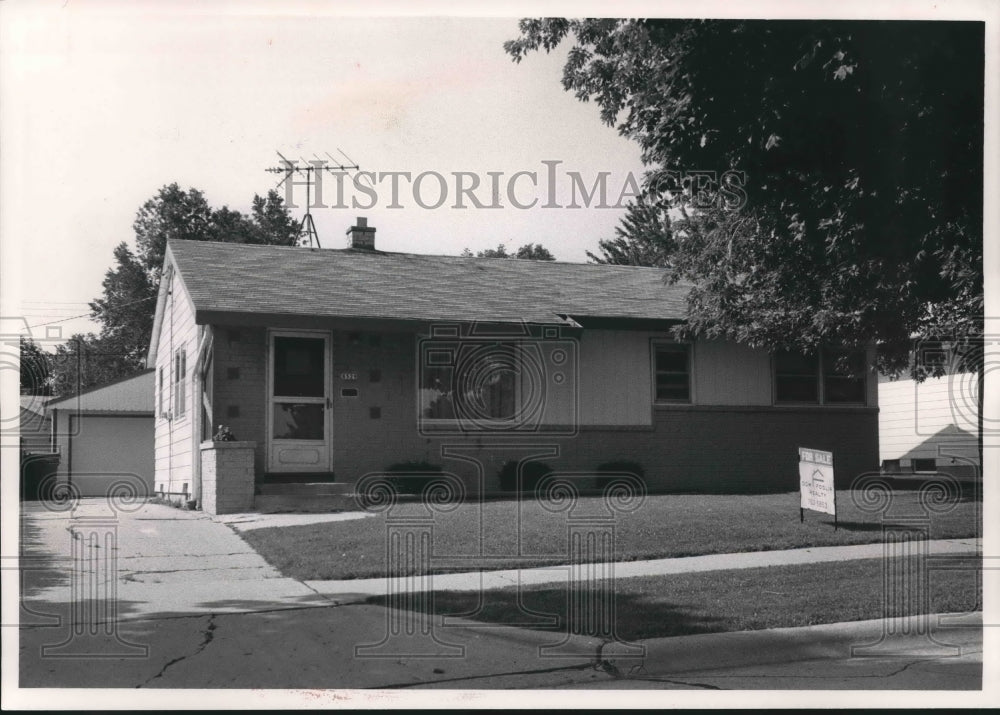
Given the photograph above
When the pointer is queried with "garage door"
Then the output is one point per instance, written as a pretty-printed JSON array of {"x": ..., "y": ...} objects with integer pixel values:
[{"x": 105, "y": 448}]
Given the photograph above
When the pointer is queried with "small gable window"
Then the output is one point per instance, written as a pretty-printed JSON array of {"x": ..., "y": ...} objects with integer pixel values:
[{"x": 180, "y": 382}]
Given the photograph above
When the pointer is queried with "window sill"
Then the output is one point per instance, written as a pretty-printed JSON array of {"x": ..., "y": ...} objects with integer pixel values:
[{"x": 663, "y": 406}]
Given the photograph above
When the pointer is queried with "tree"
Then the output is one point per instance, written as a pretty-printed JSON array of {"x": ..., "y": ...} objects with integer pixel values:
[
  {"x": 185, "y": 215},
  {"x": 126, "y": 307},
  {"x": 529, "y": 251},
  {"x": 85, "y": 360},
  {"x": 857, "y": 149},
  {"x": 35, "y": 369},
  {"x": 643, "y": 237}
]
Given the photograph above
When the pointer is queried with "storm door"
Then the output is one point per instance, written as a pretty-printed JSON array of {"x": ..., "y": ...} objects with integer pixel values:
[{"x": 298, "y": 409}]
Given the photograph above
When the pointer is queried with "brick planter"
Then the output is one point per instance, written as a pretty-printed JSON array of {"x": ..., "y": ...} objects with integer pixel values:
[{"x": 227, "y": 480}]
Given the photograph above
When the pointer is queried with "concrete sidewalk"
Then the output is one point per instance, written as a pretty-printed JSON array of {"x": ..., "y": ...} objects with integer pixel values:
[
  {"x": 167, "y": 562},
  {"x": 342, "y": 591},
  {"x": 256, "y": 520}
]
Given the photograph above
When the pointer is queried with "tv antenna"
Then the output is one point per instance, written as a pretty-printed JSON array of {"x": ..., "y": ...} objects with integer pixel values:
[{"x": 308, "y": 169}]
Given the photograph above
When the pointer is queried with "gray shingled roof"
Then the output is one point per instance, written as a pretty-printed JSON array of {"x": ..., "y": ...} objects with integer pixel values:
[{"x": 240, "y": 278}]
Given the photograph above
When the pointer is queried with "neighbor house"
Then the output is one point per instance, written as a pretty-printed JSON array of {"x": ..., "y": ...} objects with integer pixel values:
[
  {"x": 36, "y": 427},
  {"x": 104, "y": 435},
  {"x": 337, "y": 363},
  {"x": 930, "y": 426}
]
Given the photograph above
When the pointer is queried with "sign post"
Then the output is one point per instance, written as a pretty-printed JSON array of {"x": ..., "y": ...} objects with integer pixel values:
[{"x": 816, "y": 487}]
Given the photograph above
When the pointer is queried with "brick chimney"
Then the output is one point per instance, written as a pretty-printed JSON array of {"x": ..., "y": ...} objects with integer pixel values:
[{"x": 362, "y": 235}]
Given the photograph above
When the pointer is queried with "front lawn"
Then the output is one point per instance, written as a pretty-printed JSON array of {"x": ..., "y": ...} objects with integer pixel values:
[
  {"x": 512, "y": 534},
  {"x": 718, "y": 601}
]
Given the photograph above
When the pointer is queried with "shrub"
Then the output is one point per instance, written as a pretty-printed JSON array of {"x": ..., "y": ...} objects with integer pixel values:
[
  {"x": 419, "y": 475},
  {"x": 617, "y": 467},
  {"x": 533, "y": 473}
]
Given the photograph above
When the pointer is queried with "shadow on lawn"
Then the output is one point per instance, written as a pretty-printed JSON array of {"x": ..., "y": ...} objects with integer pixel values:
[
  {"x": 635, "y": 616},
  {"x": 856, "y": 525}
]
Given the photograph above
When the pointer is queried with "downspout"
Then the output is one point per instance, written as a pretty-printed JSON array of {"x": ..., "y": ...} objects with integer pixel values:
[
  {"x": 170, "y": 381},
  {"x": 197, "y": 402}
]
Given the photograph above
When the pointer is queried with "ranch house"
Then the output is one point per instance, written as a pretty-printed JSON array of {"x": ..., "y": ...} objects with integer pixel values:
[{"x": 331, "y": 364}]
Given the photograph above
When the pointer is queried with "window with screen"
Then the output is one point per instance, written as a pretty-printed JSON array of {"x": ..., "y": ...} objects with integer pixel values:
[
  {"x": 829, "y": 377},
  {"x": 673, "y": 372},
  {"x": 480, "y": 383},
  {"x": 796, "y": 377},
  {"x": 162, "y": 394},
  {"x": 843, "y": 377}
]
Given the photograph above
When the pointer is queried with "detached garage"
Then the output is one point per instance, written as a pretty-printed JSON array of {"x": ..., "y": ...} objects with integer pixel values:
[{"x": 105, "y": 434}]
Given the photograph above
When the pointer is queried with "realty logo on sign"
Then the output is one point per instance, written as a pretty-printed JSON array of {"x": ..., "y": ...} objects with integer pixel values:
[{"x": 816, "y": 482}]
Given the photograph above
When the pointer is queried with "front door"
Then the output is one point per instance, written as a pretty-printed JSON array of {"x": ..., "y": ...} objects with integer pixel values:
[{"x": 298, "y": 419}]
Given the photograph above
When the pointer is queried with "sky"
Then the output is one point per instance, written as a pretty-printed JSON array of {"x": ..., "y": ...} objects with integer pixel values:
[
  {"x": 110, "y": 102},
  {"x": 103, "y": 103}
]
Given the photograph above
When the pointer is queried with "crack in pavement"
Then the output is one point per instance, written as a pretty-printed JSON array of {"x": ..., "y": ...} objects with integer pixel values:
[
  {"x": 464, "y": 678},
  {"x": 597, "y": 662},
  {"x": 178, "y": 556},
  {"x": 687, "y": 683},
  {"x": 132, "y": 575},
  {"x": 182, "y": 616},
  {"x": 635, "y": 672},
  {"x": 209, "y": 634}
]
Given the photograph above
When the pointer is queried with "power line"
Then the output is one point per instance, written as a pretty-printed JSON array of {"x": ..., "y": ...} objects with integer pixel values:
[{"x": 91, "y": 314}]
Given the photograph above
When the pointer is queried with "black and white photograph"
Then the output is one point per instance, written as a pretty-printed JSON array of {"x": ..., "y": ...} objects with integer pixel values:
[{"x": 385, "y": 355}]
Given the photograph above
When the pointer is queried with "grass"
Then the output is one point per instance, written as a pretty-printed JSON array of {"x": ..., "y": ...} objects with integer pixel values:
[
  {"x": 714, "y": 602},
  {"x": 512, "y": 534}
]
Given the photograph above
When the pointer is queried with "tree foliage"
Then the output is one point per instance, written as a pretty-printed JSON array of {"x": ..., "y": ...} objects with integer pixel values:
[
  {"x": 126, "y": 306},
  {"x": 176, "y": 214},
  {"x": 529, "y": 251},
  {"x": 861, "y": 147},
  {"x": 36, "y": 368},
  {"x": 86, "y": 360},
  {"x": 643, "y": 237}
]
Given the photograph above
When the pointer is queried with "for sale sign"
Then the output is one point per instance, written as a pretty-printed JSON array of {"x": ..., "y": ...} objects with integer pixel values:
[{"x": 816, "y": 481}]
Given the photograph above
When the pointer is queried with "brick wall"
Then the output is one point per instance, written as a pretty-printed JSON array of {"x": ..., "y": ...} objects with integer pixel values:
[
  {"x": 686, "y": 448},
  {"x": 239, "y": 394},
  {"x": 227, "y": 477}
]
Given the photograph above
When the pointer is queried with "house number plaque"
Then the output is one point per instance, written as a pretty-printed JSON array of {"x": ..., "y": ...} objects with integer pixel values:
[{"x": 348, "y": 376}]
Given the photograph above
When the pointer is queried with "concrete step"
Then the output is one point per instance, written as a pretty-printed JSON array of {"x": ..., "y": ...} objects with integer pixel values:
[
  {"x": 304, "y": 503},
  {"x": 306, "y": 488}
]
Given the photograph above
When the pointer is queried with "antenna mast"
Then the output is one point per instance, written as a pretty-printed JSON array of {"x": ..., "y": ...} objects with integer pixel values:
[{"x": 308, "y": 169}]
